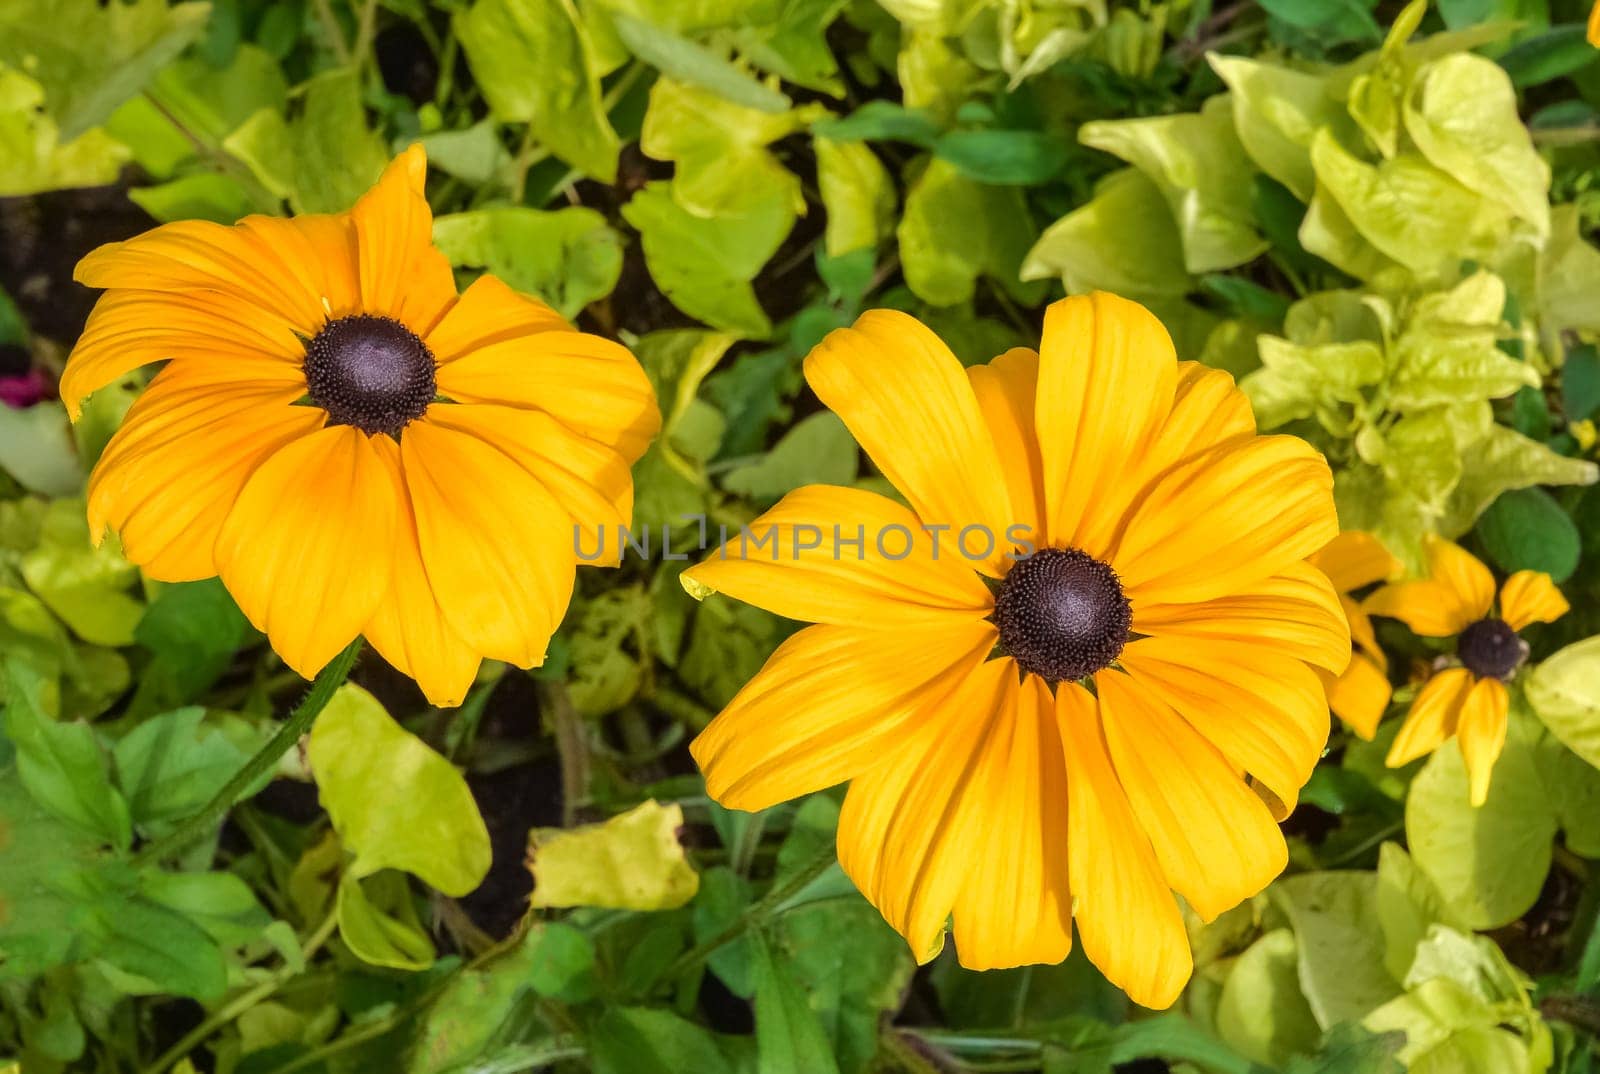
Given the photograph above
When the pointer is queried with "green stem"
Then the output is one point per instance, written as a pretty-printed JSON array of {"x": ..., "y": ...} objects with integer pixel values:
[{"x": 299, "y": 722}]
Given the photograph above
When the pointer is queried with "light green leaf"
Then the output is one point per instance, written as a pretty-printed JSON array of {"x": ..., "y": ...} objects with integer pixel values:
[
  {"x": 1462, "y": 113},
  {"x": 474, "y": 153},
  {"x": 631, "y": 862},
  {"x": 1568, "y": 276},
  {"x": 1328, "y": 232},
  {"x": 955, "y": 230},
  {"x": 1408, "y": 904},
  {"x": 86, "y": 586},
  {"x": 1123, "y": 240},
  {"x": 169, "y": 766},
  {"x": 604, "y": 675},
  {"x": 1484, "y": 1048},
  {"x": 1341, "y": 955},
  {"x": 156, "y": 949},
  {"x": 647, "y": 1040},
  {"x": 394, "y": 802},
  {"x": 705, "y": 265},
  {"x": 1276, "y": 113},
  {"x": 696, "y": 16},
  {"x": 794, "y": 46},
  {"x": 202, "y": 196},
  {"x": 817, "y": 450},
  {"x": 1261, "y": 1011},
  {"x": 1432, "y": 369},
  {"x": 34, "y": 156},
  {"x": 324, "y": 158},
  {"x": 1564, "y": 692},
  {"x": 568, "y": 257},
  {"x": 1203, "y": 173},
  {"x": 1505, "y": 459},
  {"x": 1420, "y": 458},
  {"x": 857, "y": 193},
  {"x": 1296, "y": 380},
  {"x": 378, "y": 922},
  {"x": 220, "y": 903},
  {"x": 688, "y": 61},
  {"x": 90, "y": 57},
  {"x": 935, "y": 74},
  {"x": 1429, "y": 1015},
  {"x": 560, "y": 100}
]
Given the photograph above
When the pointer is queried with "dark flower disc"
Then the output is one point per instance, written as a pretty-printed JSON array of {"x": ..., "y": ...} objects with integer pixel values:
[
  {"x": 1062, "y": 614},
  {"x": 370, "y": 372},
  {"x": 1490, "y": 649}
]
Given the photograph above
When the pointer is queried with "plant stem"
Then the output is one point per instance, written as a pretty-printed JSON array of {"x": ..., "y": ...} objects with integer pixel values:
[{"x": 282, "y": 740}]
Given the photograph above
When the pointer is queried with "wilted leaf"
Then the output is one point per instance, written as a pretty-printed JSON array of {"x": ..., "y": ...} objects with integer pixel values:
[{"x": 632, "y": 861}]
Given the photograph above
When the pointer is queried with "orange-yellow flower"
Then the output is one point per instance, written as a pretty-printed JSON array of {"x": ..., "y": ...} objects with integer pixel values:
[
  {"x": 1358, "y": 696},
  {"x": 1153, "y": 687},
  {"x": 1594, "y": 26},
  {"x": 1468, "y": 699},
  {"x": 353, "y": 447}
]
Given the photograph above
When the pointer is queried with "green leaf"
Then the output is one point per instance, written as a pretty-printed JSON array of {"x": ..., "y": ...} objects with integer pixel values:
[
  {"x": 40, "y": 857},
  {"x": 881, "y": 120},
  {"x": 1525, "y": 529},
  {"x": 789, "y": 1039},
  {"x": 955, "y": 230},
  {"x": 1350, "y": 1049},
  {"x": 1123, "y": 240},
  {"x": 169, "y": 766},
  {"x": 192, "y": 630},
  {"x": 1296, "y": 380},
  {"x": 1408, "y": 904},
  {"x": 568, "y": 257},
  {"x": 704, "y": 266},
  {"x": 1261, "y": 1012},
  {"x": 566, "y": 112},
  {"x": 1580, "y": 382},
  {"x": 203, "y": 196},
  {"x": 1004, "y": 157},
  {"x": 1504, "y": 459},
  {"x": 1558, "y": 51},
  {"x": 1338, "y": 20},
  {"x": 35, "y": 157},
  {"x": 378, "y": 922},
  {"x": 794, "y": 45},
  {"x": 220, "y": 903},
  {"x": 325, "y": 157},
  {"x": 90, "y": 56},
  {"x": 1564, "y": 692},
  {"x": 162, "y": 949},
  {"x": 857, "y": 194},
  {"x": 1341, "y": 954},
  {"x": 1276, "y": 112},
  {"x": 394, "y": 802},
  {"x": 1568, "y": 274},
  {"x": 632, "y": 861},
  {"x": 1201, "y": 168},
  {"x": 643, "y": 1040},
  {"x": 84, "y": 585},
  {"x": 62, "y": 764},
  {"x": 729, "y": 643},
  {"x": 688, "y": 61},
  {"x": 473, "y": 153},
  {"x": 817, "y": 450},
  {"x": 604, "y": 675},
  {"x": 36, "y": 444}
]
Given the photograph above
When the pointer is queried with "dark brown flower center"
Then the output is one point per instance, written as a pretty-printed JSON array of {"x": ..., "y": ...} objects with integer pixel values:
[
  {"x": 370, "y": 372},
  {"x": 1490, "y": 649},
  {"x": 1062, "y": 614}
]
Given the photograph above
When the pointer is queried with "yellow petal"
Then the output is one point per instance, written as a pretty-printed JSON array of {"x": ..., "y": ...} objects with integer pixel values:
[
  {"x": 1360, "y": 696},
  {"x": 409, "y": 628},
  {"x": 1362, "y": 635},
  {"x": 903, "y": 835},
  {"x": 1482, "y": 733},
  {"x": 308, "y": 548},
  {"x": 130, "y": 328},
  {"x": 1265, "y": 712},
  {"x": 1015, "y": 907},
  {"x": 1295, "y": 611},
  {"x": 828, "y": 705},
  {"x": 794, "y": 561},
  {"x": 1005, "y": 390},
  {"x": 1530, "y": 597},
  {"x": 1107, "y": 374},
  {"x": 170, "y": 475},
  {"x": 403, "y": 275},
  {"x": 1234, "y": 514},
  {"x": 1432, "y": 717},
  {"x": 911, "y": 406},
  {"x": 1354, "y": 559},
  {"x": 1214, "y": 837},
  {"x": 590, "y": 481},
  {"x": 1594, "y": 26},
  {"x": 1207, "y": 410},
  {"x": 1128, "y": 921},
  {"x": 1457, "y": 592},
  {"x": 591, "y": 384},
  {"x": 497, "y": 547}
]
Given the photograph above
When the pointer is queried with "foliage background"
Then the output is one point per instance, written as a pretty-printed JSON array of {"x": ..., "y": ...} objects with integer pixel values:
[{"x": 1377, "y": 216}]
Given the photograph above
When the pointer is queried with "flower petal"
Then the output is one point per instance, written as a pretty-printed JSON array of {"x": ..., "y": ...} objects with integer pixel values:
[
  {"x": 1295, "y": 610},
  {"x": 1482, "y": 733},
  {"x": 169, "y": 476},
  {"x": 403, "y": 275},
  {"x": 131, "y": 328},
  {"x": 308, "y": 548},
  {"x": 1214, "y": 836},
  {"x": 496, "y": 546},
  {"x": 1107, "y": 374},
  {"x": 590, "y": 384},
  {"x": 489, "y": 312},
  {"x": 1015, "y": 908},
  {"x": 1360, "y": 696},
  {"x": 1530, "y": 597},
  {"x": 1207, "y": 409},
  {"x": 1355, "y": 559},
  {"x": 590, "y": 481},
  {"x": 1432, "y": 718},
  {"x": 828, "y": 705},
  {"x": 409, "y": 628},
  {"x": 1265, "y": 712},
  {"x": 908, "y": 402},
  {"x": 1128, "y": 921},
  {"x": 1226, "y": 518},
  {"x": 1457, "y": 592},
  {"x": 1005, "y": 388},
  {"x": 800, "y": 560},
  {"x": 904, "y": 838}
]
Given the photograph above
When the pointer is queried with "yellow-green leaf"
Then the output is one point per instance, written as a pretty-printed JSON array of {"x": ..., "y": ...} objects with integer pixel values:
[{"x": 631, "y": 862}]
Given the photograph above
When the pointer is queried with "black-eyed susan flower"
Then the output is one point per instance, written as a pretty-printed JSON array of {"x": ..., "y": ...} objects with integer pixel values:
[
  {"x": 1070, "y": 735},
  {"x": 1467, "y": 697},
  {"x": 351, "y": 445},
  {"x": 1360, "y": 694}
]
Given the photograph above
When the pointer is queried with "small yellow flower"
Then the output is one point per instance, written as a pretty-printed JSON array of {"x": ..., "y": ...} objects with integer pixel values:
[
  {"x": 1066, "y": 737},
  {"x": 1360, "y": 694},
  {"x": 353, "y": 447},
  {"x": 1469, "y": 699}
]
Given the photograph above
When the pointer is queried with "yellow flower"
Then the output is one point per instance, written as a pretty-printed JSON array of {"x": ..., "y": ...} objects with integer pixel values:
[
  {"x": 1154, "y": 651},
  {"x": 1360, "y": 694},
  {"x": 1467, "y": 700},
  {"x": 1594, "y": 26},
  {"x": 354, "y": 448}
]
